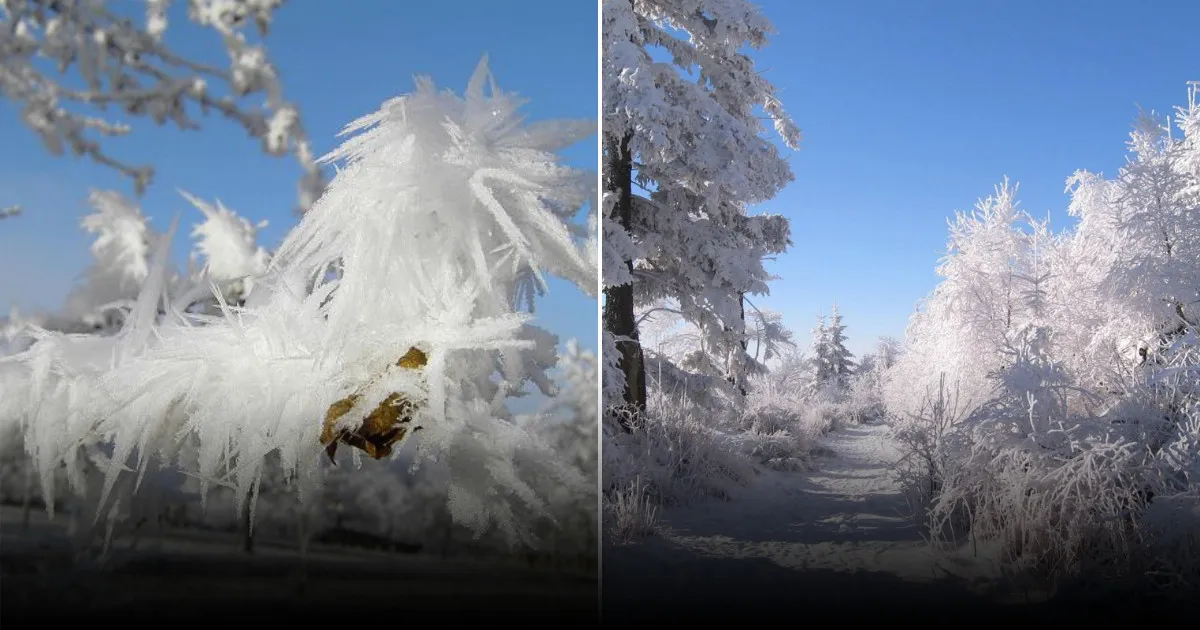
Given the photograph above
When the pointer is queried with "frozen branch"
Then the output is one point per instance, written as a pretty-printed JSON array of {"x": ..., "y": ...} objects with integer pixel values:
[{"x": 128, "y": 68}]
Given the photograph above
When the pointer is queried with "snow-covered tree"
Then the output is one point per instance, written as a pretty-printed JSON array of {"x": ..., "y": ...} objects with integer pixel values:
[
  {"x": 820, "y": 347},
  {"x": 61, "y": 58},
  {"x": 832, "y": 362},
  {"x": 768, "y": 337},
  {"x": 887, "y": 352},
  {"x": 841, "y": 360},
  {"x": 1047, "y": 387},
  {"x": 683, "y": 109},
  {"x": 963, "y": 326},
  {"x": 1140, "y": 231}
]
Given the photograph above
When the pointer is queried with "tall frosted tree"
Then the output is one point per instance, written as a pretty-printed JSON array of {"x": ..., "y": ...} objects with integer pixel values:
[
  {"x": 820, "y": 347},
  {"x": 966, "y": 325},
  {"x": 841, "y": 360},
  {"x": 683, "y": 112},
  {"x": 832, "y": 362}
]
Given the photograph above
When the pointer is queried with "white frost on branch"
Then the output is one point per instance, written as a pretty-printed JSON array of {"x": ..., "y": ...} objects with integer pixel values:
[
  {"x": 228, "y": 244},
  {"x": 130, "y": 68},
  {"x": 121, "y": 251},
  {"x": 443, "y": 205}
]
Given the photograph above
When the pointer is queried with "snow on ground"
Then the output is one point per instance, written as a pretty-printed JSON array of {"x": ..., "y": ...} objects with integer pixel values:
[{"x": 837, "y": 538}]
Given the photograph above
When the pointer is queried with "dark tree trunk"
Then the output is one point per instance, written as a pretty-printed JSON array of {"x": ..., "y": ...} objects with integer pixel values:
[{"x": 618, "y": 301}]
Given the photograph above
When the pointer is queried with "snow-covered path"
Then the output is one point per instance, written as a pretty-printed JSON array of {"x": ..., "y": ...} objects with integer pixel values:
[
  {"x": 836, "y": 538},
  {"x": 848, "y": 515}
]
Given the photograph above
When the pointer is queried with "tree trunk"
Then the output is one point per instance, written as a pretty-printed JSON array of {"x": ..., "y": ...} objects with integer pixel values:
[
  {"x": 618, "y": 301},
  {"x": 742, "y": 378},
  {"x": 738, "y": 378}
]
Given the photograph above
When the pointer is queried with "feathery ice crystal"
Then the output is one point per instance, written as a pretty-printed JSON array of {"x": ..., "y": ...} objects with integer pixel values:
[{"x": 441, "y": 221}]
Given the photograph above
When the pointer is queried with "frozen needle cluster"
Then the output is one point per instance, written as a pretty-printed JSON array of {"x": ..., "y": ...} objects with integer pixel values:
[{"x": 445, "y": 215}]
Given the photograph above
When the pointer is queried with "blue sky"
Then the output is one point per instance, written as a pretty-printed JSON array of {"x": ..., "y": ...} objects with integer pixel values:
[
  {"x": 911, "y": 110},
  {"x": 337, "y": 64}
]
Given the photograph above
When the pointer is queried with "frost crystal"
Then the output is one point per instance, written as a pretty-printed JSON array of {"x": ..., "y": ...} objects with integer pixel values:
[{"x": 443, "y": 208}]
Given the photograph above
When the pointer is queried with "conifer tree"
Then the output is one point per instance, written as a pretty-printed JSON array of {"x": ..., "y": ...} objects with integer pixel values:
[
  {"x": 696, "y": 147},
  {"x": 841, "y": 361},
  {"x": 832, "y": 362}
]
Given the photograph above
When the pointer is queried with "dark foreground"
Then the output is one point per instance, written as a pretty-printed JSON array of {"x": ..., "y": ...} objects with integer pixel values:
[
  {"x": 641, "y": 583},
  {"x": 47, "y": 586}
]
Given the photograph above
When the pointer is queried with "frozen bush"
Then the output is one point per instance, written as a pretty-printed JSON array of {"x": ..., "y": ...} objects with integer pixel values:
[
  {"x": 630, "y": 513},
  {"x": 677, "y": 452}
]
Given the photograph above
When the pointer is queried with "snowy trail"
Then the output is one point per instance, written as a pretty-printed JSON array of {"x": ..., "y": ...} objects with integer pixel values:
[
  {"x": 848, "y": 515},
  {"x": 834, "y": 538}
]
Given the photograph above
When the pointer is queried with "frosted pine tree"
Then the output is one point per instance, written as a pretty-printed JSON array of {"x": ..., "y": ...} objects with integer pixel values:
[
  {"x": 688, "y": 132},
  {"x": 841, "y": 360},
  {"x": 832, "y": 363},
  {"x": 821, "y": 363}
]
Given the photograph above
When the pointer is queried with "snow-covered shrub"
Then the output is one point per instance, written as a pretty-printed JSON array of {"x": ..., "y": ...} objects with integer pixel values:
[
  {"x": 821, "y": 416},
  {"x": 771, "y": 428},
  {"x": 700, "y": 432},
  {"x": 630, "y": 513},
  {"x": 764, "y": 415},
  {"x": 678, "y": 452},
  {"x": 786, "y": 450},
  {"x": 924, "y": 436},
  {"x": 864, "y": 396},
  {"x": 1055, "y": 492},
  {"x": 1172, "y": 519}
]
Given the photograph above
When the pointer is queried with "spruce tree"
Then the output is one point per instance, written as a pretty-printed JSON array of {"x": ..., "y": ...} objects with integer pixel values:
[
  {"x": 840, "y": 360},
  {"x": 696, "y": 147}
]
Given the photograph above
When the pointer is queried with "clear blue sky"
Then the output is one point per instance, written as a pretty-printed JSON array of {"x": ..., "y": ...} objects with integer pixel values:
[
  {"x": 338, "y": 61},
  {"x": 912, "y": 109}
]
